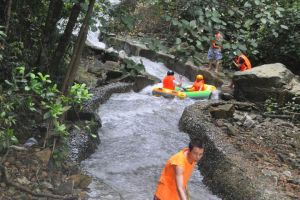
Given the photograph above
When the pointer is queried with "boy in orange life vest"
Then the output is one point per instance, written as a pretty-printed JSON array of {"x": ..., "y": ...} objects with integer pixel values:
[
  {"x": 241, "y": 62},
  {"x": 214, "y": 54},
  {"x": 177, "y": 171},
  {"x": 198, "y": 85},
  {"x": 169, "y": 81}
]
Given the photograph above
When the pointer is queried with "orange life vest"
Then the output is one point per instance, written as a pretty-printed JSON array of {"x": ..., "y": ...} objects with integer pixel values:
[
  {"x": 168, "y": 82},
  {"x": 246, "y": 65},
  {"x": 198, "y": 85},
  {"x": 166, "y": 187}
]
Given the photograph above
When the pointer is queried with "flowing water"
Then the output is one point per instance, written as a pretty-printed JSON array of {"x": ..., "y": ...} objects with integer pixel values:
[{"x": 139, "y": 133}]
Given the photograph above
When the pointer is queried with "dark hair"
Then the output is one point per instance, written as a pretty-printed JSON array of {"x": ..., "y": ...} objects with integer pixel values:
[
  {"x": 170, "y": 73},
  {"x": 196, "y": 143}
]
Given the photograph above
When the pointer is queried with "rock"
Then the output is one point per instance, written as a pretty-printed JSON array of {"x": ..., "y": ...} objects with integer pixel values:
[
  {"x": 65, "y": 188},
  {"x": 231, "y": 129},
  {"x": 237, "y": 116},
  {"x": 263, "y": 82},
  {"x": 141, "y": 81},
  {"x": 23, "y": 181},
  {"x": 281, "y": 157},
  {"x": 219, "y": 123},
  {"x": 287, "y": 174},
  {"x": 80, "y": 181},
  {"x": 30, "y": 142},
  {"x": 44, "y": 155},
  {"x": 294, "y": 181},
  {"x": 227, "y": 96},
  {"x": 113, "y": 74},
  {"x": 111, "y": 65},
  {"x": 222, "y": 111},
  {"x": 47, "y": 185},
  {"x": 270, "y": 173},
  {"x": 248, "y": 122}
]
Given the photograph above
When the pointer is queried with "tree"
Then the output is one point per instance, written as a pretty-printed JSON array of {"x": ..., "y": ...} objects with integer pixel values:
[
  {"x": 7, "y": 14},
  {"x": 47, "y": 39},
  {"x": 65, "y": 38},
  {"x": 73, "y": 65}
]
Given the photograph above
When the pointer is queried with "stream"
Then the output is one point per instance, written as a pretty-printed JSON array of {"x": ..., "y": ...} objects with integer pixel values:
[{"x": 139, "y": 133}]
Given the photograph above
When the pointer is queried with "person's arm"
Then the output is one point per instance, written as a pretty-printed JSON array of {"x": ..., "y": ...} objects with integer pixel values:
[
  {"x": 179, "y": 183},
  {"x": 239, "y": 62},
  {"x": 236, "y": 64},
  {"x": 179, "y": 83},
  {"x": 214, "y": 45}
]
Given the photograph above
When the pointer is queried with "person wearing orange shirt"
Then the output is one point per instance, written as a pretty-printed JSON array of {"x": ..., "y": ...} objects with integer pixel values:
[
  {"x": 172, "y": 184},
  {"x": 169, "y": 81},
  {"x": 241, "y": 62},
  {"x": 198, "y": 85}
]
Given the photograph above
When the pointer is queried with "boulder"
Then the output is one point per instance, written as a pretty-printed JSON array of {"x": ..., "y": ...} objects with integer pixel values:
[
  {"x": 263, "y": 82},
  {"x": 141, "y": 81},
  {"x": 44, "y": 156},
  {"x": 113, "y": 74},
  {"x": 222, "y": 111},
  {"x": 80, "y": 180}
]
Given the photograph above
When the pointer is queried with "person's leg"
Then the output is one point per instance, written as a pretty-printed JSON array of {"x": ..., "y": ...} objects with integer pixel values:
[
  {"x": 218, "y": 59},
  {"x": 210, "y": 58},
  {"x": 218, "y": 65},
  {"x": 210, "y": 63}
]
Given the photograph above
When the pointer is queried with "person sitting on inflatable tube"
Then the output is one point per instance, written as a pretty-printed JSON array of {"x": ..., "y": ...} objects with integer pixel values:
[
  {"x": 169, "y": 81},
  {"x": 198, "y": 85}
]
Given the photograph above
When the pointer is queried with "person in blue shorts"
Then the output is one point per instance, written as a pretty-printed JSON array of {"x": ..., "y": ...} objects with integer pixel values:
[{"x": 214, "y": 55}]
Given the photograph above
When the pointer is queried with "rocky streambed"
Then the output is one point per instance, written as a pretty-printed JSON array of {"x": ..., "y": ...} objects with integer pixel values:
[{"x": 247, "y": 156}]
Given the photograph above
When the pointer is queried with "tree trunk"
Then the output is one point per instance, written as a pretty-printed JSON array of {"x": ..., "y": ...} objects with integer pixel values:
[
  {"x": 7, "y": 14},
  {"x": 74, "y": 63},
  {"x": 65, "y": 38},
  {"x": 53, "y": 15}
]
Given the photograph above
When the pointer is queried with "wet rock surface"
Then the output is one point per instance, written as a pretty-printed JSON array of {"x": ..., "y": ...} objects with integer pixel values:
[
  {"x": 247, "y": 156},
  {"x": 263, "y": 82}
]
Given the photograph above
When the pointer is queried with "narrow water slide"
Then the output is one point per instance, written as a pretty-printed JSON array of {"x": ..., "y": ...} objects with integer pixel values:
[{"x": 139, "y": 133}]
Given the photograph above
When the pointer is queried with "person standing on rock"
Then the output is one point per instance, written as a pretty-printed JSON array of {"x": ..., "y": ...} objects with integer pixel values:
[
  {"x": 214, "y": 54},
  {"x": 172, "y": 184}
]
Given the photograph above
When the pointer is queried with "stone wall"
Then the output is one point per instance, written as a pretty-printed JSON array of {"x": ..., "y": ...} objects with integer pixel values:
[
  {"x": 188, "y": 69},
  {"x": 224, "y": 168}
]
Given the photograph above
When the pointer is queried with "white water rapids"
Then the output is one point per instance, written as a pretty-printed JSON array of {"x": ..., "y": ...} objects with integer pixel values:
[{"x": 139, "y": 133}]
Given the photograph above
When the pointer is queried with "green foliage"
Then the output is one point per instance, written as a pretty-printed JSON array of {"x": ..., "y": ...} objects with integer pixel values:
[
  {"x": 272, "y": 107},
  {"x": 154, "y": 44},
  {"x": 79, "y": 93},
  {"x": 129, "y": 66},
  {"x": 59, "y": 155},
  {"x": 7, "y": 120},
  {"x": 35, "y": 93},
  {"x": 263, "y": 29}
]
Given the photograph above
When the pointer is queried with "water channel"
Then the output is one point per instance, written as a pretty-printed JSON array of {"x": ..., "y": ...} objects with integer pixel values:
[{"x": 139, "y": 133}]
